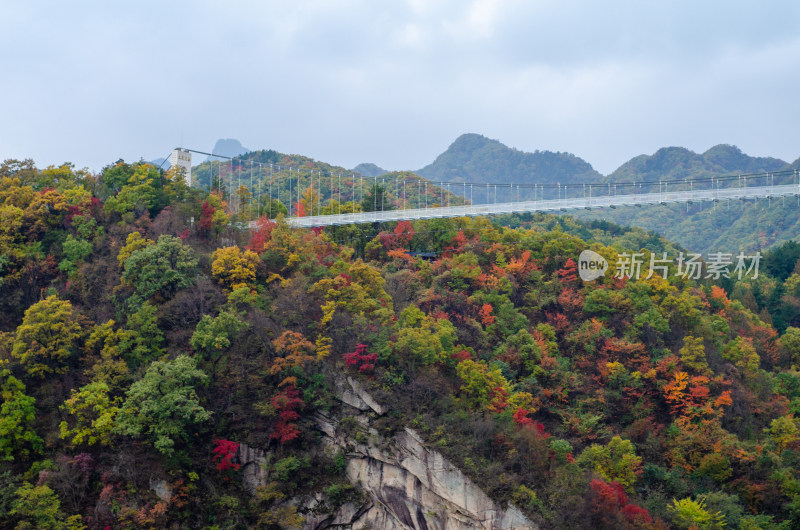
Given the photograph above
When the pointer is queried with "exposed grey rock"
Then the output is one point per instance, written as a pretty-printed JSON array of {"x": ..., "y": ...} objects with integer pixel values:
[
  {"x": 161, "y": 488},
  {"x": 352, "y": 393},
  {"x": 408, "y": 486},
  {"x": 255, "y": 468}
]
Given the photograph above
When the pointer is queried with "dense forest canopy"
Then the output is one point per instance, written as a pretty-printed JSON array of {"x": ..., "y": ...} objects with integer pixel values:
[{"x": 146, "y": 335}]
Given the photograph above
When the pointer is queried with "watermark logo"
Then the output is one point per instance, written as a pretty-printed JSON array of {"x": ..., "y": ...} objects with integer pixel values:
[
  {"x": 591, "y": 265},
  {"x": 636, "y": 265}
]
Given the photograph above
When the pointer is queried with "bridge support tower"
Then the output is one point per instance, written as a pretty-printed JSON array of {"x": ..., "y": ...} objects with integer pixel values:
[{"x": 181, "y": 159}]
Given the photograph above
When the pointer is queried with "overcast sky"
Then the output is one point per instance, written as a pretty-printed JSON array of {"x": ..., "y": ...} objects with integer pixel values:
[{"x": 395, "y": 82}]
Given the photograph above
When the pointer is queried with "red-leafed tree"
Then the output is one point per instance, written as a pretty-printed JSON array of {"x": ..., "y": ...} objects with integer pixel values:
[
  {"x": 404, "y": 233},
  {"x": 286, "y": 404},
  {"x": 569, "y": 274},
  {"x": 571, "y": 300},
  {"x": 261, "y": 235},
  {"x": 521, "y": 417},
  {"x": 224, "y": 451},
  {"x": 558, "y": 320},
  {"x": 460, "y": 356},
  {"x": 206, "y": 218},
  {"x": 361, "y": 360},
  {"x": 398, "y": 239},
  {"x": 765, "y": 341},
  {"x": 611, "y": 508},
  {"x": 499, "y": 399}
]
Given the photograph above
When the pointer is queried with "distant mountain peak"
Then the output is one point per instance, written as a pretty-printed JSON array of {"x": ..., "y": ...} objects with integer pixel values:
[
  {"x": 370, "y": 170},
  {"x": 228, "y": 147},
  {"x": 680, "y": 163},
  {"x": 475, "y": 139},
  {"x": 730, "y": 158},
  {"x": 723, "y": 148},
  {"x": 475, "y": 158}
]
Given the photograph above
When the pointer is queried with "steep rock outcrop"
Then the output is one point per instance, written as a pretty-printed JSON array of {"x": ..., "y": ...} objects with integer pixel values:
[
  {"x": 254, "y": 470},
  {"x": 350, "y": 392},
  {"x": 407, "y": 485}
]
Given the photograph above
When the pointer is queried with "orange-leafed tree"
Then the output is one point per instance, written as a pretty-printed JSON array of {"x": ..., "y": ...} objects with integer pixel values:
[
  {"x": 522, "y": 266},
  {"x": 294, "y": 350},
  {"x": 569, "y": 273},
  {"x": 675, "y": 392},
  {"x": 299, "y": 209},
  {"x": 485, "y": 313}
]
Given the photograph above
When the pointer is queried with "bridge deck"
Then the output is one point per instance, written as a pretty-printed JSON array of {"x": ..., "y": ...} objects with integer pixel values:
[{"x": 548, "y": 205}]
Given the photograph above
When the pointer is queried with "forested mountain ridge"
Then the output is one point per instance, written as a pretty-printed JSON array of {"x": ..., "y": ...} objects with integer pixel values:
[
  {"x": 675, "y": 163},
  {"x": 746, "y": 226},
  {"x": 475, "y": 158},
  {"x": 161, "y": 368},
  {"x": 721, "y": 227},
  {"x": 270, "y": 183}
]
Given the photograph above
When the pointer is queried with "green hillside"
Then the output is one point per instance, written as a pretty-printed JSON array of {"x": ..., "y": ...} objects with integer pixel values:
[
  {"x": 267, "y": 182},
  {"x": 675, "y": 163},
  {"x": 475, "y": 158}
]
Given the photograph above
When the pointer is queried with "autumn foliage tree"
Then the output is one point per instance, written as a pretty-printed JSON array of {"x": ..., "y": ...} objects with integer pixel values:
[
  {"x": 135, "y": 241},
  {"x": 361, "y": 360},
  {"x": 293, "y": 350},
  {"x": 48, "y": 338},
  {"x": 425, "y": 338},
  {"x": 399, "y": 238},
  {"x": 286, "y": 404},
  {"x": 93, "y": 413},
  {"x": 223, "y": 453},
  {"x": 357, "y": 288},
  {"x": 213, "y": 218},
  {"x": 568, "y": 275},
  {"x": 234, "y": 268},
  {"x": 611, "y": 508},
  {"x": 261, "y": 234},
  {"x": 482, "y": 386}
]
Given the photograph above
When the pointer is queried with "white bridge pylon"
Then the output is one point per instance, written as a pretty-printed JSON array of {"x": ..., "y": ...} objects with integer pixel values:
[{"x": 550, "y": 205}]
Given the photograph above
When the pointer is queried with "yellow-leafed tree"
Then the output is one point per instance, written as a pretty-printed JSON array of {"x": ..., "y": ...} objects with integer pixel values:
[
  {"x": 233, "y": 268},
  {"x": 48, "y": 337}
]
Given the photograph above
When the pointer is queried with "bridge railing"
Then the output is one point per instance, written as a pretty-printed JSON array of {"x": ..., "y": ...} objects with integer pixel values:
[{"x": 550, "y": 205}]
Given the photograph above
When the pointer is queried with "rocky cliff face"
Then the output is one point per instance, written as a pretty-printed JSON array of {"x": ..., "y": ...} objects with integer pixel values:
[{"x": 404, "y": 484}]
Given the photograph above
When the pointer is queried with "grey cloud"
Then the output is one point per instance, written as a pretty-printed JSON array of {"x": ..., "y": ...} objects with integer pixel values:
[{"x": 395, "y": 82}]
